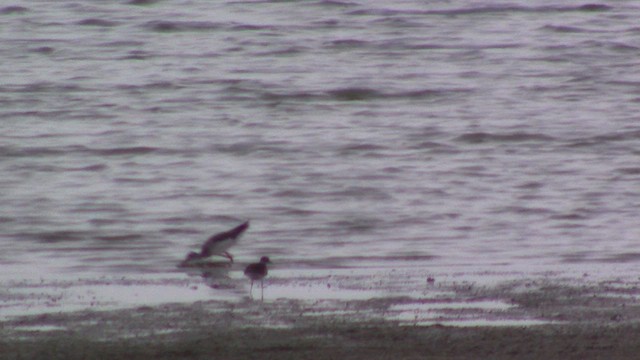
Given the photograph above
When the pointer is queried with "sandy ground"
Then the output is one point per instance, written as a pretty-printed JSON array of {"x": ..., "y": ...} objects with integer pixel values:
[{"x": 544, "y": 317}]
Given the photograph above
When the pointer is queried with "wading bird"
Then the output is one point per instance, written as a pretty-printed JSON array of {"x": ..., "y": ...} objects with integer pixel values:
[
  {"x": 218, "y": 245},
  {"x": 257, "y": 271}
]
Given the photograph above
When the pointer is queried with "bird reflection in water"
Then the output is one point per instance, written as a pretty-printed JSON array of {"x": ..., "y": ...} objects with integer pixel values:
[{"x": 215, "y": 274}]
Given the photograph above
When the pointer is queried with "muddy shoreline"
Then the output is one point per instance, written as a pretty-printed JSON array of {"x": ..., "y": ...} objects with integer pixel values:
[{"x": 545, "y": 317}]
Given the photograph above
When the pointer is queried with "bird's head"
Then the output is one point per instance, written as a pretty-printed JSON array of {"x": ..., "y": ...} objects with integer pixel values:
[
  {"x": 265, "y": 260},
  {"x": 192, "y": 256}
]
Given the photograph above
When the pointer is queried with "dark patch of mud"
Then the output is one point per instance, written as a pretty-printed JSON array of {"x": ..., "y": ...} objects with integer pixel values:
[{"x": 331, "y": 339}]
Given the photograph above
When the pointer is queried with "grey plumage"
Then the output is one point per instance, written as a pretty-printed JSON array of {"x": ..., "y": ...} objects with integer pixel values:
[
  {"x": 218, "y": 244},
  {"x": 258, "y": 271}
]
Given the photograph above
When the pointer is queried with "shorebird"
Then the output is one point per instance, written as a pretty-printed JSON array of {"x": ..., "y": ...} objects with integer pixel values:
[
  {"x": 218, "y": 244},
  {"x": 257, "y": 271}
]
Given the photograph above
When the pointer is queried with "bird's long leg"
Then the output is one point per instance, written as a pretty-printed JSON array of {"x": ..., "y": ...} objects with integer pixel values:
[
  {"x": 228, "y": 256},
  {"x": 261, "y": 290},
  {"x": 251, "y": 289}
]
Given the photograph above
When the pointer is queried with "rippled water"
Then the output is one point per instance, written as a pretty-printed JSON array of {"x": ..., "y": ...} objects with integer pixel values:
[{"x": 351, "y": 133}]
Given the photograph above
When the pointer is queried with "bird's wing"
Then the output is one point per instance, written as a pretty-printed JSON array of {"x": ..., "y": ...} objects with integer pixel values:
[{"x": 230, "y": 234}]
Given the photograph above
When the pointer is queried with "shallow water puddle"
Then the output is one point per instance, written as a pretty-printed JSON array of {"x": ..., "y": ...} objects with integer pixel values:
[
  {"x": 30, "y": 328},
  {"x": 489, "y": 322},
  {"x": 459, "y": 313},
  {"x": 484, "y": 305}
]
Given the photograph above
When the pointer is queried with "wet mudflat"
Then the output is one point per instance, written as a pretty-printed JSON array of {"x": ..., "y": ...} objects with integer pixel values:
[
  {"x": 340, "y": 317},
  {"x": 329, "y": 340}
]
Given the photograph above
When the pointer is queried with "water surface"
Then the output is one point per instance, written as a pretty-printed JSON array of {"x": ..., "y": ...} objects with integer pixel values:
[{"x": 445, "y": 135}]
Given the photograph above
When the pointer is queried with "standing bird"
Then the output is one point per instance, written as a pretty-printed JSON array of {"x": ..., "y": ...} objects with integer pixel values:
[
  {"x": 257, "y": 271},
  {"x": 218, "y": 244}
]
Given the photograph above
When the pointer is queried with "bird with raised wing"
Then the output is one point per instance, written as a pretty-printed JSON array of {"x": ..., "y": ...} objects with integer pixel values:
[{"x": 218, "y": 244}]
